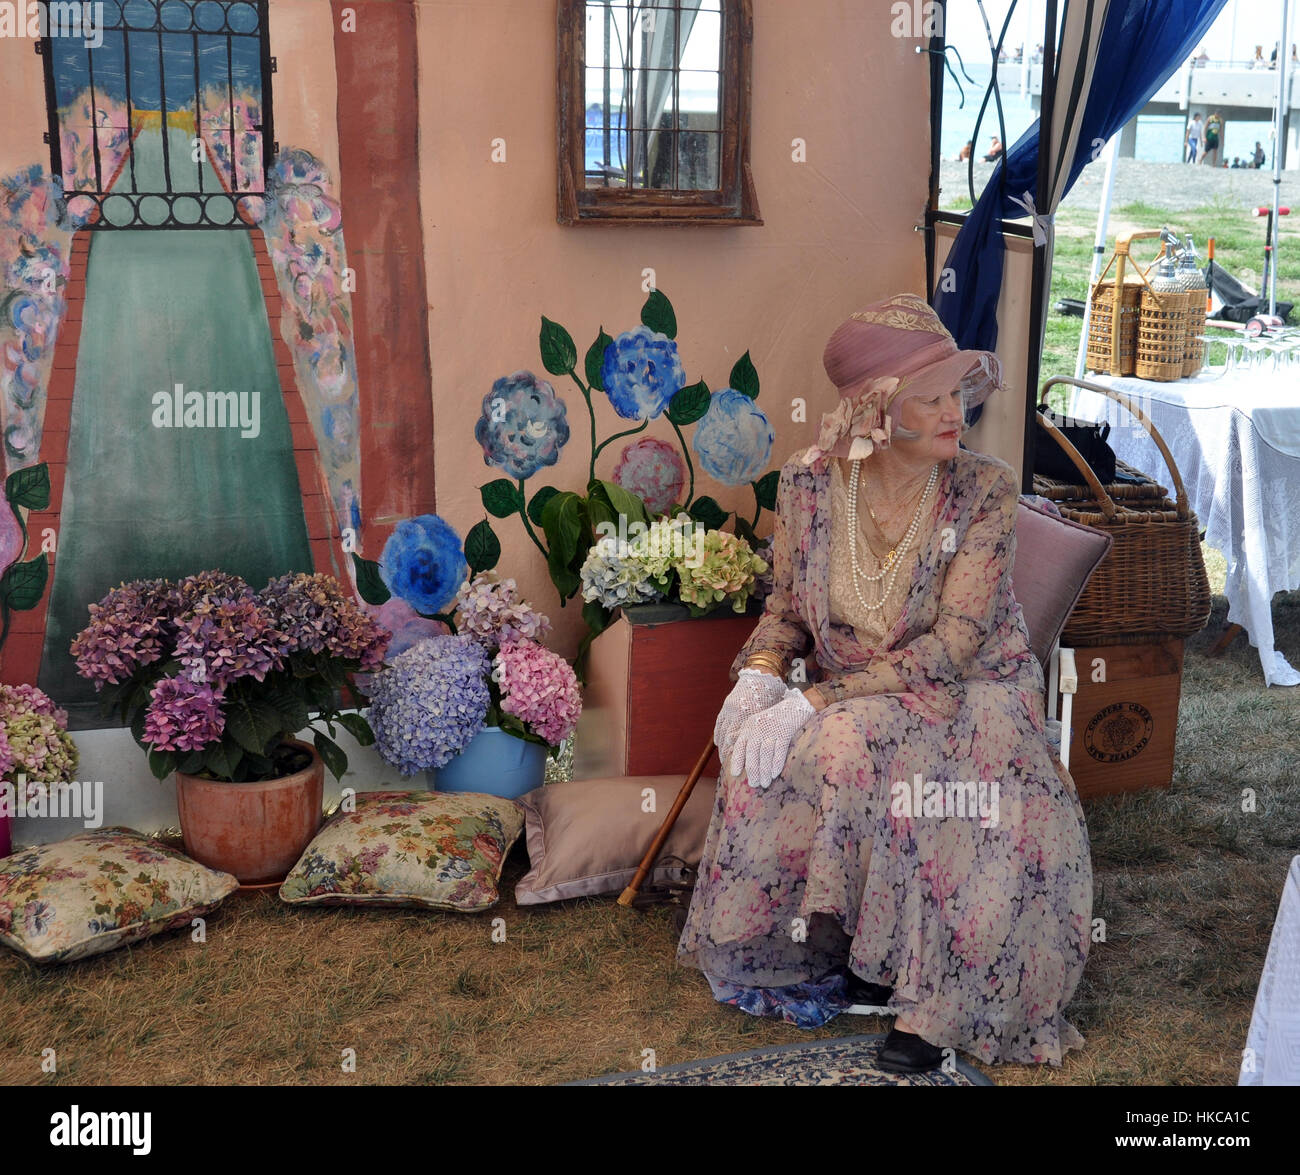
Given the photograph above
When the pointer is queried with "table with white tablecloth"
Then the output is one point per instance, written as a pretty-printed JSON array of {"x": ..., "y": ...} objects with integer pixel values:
[
  {"x": 1236, "y": 441},
  {"x": 1272, "y": 1052}
]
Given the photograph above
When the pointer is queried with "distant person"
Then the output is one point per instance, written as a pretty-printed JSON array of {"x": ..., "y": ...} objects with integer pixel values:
[
  {"x": 1202, "y": 59},
  {"x": 1259, "y": 62},
  {"x": 1259, "y": 156},
  {"x": 1294, "y": 59},
  {"x": 995, "y": 151},
  {"x": 1272, "y": 57},
  {"x": 1193, "y": 139},
  {"x": 966, "y": 151},
  {"x": 1236, "y": 161},
  {"x": 1213, "y": 138}
]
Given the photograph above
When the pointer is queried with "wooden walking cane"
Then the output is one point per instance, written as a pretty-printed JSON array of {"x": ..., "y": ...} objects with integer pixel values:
[{"x": 628, "y": 896}]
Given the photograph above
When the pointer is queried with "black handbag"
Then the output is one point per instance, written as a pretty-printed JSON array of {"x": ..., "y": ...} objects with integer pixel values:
[{"x": 1088, "y": 437}]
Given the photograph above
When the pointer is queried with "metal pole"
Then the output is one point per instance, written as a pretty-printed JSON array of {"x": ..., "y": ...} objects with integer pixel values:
[
  {"x": 1040, "y": 282},
  {"x": 1279, "y": 145},
  {"x": 1098, "y": 247}
]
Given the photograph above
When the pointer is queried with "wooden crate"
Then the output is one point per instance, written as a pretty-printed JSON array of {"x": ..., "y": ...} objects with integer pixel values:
[
  {"x": 656, "y": 680},
  {"x": 1123, "y": 728}
]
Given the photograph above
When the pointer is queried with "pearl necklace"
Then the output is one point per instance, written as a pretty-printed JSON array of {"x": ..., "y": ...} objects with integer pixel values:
[{"x": 892, "y": 562}]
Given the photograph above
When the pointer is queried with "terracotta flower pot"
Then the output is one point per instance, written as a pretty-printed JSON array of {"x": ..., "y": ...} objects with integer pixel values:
[{"x": 257, "y": 831}]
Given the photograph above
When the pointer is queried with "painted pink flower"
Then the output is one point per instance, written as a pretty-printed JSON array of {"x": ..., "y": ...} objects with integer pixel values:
[
  {"x": 654, "y": 471},
  {"x": 11, "y": 537}
]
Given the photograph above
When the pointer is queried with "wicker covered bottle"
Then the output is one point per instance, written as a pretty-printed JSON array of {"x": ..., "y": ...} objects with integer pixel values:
[
  {"x": 1162, "y": 323},
  {"x": 1193, "y": 281}
]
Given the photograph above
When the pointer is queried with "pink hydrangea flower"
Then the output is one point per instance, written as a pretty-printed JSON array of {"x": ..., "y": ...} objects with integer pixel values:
[
  {"x": 654, "y": 471},
  {"x": 539, "y": 688}
]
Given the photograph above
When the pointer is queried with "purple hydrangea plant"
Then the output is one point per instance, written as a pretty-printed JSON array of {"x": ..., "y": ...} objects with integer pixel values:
[{"x": 216, "y": 679}]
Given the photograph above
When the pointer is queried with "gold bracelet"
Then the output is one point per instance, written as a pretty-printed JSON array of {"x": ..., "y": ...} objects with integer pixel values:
[{"x": 765, "y": 660}]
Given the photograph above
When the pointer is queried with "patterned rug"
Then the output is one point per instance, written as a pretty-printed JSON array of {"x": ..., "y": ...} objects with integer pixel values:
[{"x": 846, "y": 1060}]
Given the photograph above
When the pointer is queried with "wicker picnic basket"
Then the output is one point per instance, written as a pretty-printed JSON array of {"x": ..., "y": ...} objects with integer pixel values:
[{"x": 1152, "y": 585}]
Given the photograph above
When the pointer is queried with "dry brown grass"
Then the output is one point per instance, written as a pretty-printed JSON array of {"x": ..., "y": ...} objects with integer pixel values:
[{"x": 1186, "y": 882}]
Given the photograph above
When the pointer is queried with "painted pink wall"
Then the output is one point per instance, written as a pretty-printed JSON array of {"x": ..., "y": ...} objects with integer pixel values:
[
  {"x": 22, "y": 98},
  {"x": 838, "y": 232}
]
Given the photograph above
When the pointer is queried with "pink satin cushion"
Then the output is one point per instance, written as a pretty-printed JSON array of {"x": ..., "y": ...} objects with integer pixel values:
[
  {"x": 1054, "y": 560},
  {"x": 587, "y": 837}
]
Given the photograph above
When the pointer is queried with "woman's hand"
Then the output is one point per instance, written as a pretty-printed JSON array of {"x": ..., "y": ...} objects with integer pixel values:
[
  {"x": 755, "y": 690},
  {"x": 764, "y": 740}
]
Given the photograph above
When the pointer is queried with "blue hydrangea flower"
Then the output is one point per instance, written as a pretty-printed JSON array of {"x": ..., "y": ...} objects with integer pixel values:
[
  {"x": 641, "y": 373},
  {"x": 523, "y": 425},
  {"x": 423, "y": 563},
  {"x": 428, "y": 704},
  {"x": 734, "y": 439}
]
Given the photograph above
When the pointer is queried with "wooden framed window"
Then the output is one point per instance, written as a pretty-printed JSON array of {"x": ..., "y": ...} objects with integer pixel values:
[{"x": 654, "y": 102}]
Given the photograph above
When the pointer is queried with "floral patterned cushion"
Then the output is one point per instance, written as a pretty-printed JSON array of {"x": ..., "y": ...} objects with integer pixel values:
[
  {"x": 438, "y": 850},
  {"x": 99, "y": 890}
]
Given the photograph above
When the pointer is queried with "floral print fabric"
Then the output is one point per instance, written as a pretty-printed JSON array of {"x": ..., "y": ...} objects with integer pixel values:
[
  {"x": 436, "y": 850},
  {"x": 979, "y": 921},
  {"x": 99, "y": 890}
]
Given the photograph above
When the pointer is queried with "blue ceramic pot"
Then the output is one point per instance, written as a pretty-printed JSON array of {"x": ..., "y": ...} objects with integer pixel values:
[{"x": 496, "y": 763}]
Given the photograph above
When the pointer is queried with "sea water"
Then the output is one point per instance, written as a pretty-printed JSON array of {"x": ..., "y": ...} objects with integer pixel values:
[{"x": 1159, "y": 136}]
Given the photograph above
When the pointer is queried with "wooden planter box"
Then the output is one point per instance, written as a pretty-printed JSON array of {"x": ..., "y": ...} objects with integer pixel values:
[
  {"x": 1124, "y": 728},
  {"x": 656, "y": 680}
]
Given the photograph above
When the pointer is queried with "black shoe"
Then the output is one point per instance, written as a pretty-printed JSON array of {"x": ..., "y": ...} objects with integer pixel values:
[
  {"x": 905, "y": 1052},
  {"x": 871, "y": 995}
]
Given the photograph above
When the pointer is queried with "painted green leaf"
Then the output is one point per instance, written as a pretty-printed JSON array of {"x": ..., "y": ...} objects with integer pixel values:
[
  {"x": 482, "y": 548},
  {"x": 746, "y": 532},
  {"x": 689, "y": 404},
  {"x": 23, "y": 584},
  {"x": 708, "y": 513},
  {"x": 657, "y": 314},
  {"x": 559, "y": 355},
  {"x": 538, "y": 503},
  {"x": 29, "y": 487},
  {"x": 501, "y": 498},
  {"x": 744, "y": 378},
  {"x": 370, "y": 584},
  {"x": 765, "y": 489},
  {"x": 595, "y": 360}
]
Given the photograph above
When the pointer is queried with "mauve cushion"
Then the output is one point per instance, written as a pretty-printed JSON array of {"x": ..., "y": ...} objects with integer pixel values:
[
  {"x": 586, "y": 837},
  {"x": 1054, "y": 559}
]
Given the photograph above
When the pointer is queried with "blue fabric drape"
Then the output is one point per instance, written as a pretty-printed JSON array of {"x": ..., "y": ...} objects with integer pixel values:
[{"x": 1142, "y": 43}]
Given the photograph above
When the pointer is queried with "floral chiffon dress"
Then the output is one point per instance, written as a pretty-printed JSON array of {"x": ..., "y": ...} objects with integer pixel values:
[{"x": 870, "y": 850}]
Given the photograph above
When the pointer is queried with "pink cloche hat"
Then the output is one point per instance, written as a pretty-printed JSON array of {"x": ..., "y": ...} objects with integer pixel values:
[{"x": 880, "y": 356}]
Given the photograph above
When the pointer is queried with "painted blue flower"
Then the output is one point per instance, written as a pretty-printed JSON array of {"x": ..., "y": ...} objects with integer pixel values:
[
  {"x": 734, "y": 439},
  {"x": 641, "y": 373},
  {"x": 423, "y": 563},
  {"x": 523, "y": 425}
]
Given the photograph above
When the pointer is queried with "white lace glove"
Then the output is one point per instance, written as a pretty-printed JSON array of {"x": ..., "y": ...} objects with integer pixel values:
[
  {"x": 764, "y": 740},
  {"x": 754, "y": 691}
]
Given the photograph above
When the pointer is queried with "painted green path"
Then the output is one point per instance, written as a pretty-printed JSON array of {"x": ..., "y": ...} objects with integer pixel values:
[{"x": 164, "y": 308}]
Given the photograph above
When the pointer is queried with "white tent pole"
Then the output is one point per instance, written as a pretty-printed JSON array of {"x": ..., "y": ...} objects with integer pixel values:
[
  {"x": 1098, "y": 247},
  {"x": 1279, "y": 145}
]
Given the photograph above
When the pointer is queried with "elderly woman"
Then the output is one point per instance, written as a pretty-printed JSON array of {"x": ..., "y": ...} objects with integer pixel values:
[{"x": 893, "y": 828}]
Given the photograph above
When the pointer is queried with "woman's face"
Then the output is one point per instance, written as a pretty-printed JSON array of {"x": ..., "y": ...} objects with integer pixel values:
[{"x": 938, "y": 419}]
